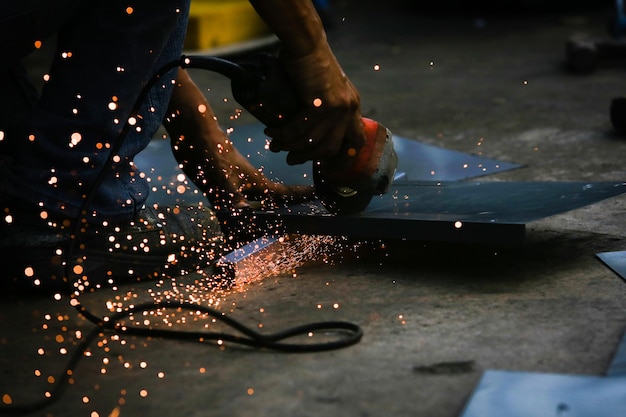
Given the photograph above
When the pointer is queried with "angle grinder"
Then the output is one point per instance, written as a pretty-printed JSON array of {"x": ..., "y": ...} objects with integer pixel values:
[{"x": 260, "y": 85}]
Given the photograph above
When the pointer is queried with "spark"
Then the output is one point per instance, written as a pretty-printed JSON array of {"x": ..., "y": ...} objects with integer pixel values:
[
  {"x": 75, "y": 139},
  {"x": 376, "y": 67}
]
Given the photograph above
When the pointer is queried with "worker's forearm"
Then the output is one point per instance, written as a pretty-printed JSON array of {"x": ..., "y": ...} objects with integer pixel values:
[
  {"x": 295, "y": 22},
  {"x": 188, "y": 110}
]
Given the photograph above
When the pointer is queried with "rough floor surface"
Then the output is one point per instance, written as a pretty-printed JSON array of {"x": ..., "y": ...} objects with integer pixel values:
[{"x": 434, "y": 316}]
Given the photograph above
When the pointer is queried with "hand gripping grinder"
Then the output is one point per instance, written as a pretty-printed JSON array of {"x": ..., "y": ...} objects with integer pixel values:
[{"x": 261, "y": 86}]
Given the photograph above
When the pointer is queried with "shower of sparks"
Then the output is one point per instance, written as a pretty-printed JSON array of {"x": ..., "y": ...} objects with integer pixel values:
[{"x": 288, "y": 254}]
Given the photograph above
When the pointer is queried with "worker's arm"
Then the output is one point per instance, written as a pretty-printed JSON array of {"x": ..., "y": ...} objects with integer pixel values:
[
  {"x": 330, "y": 120},
  {"x": 209, "y": 158},
  {"x": 295, "y": 22}
]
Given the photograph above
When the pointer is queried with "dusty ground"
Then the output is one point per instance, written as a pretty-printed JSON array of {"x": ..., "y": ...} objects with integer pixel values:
[{"x": 489, "y": 84}]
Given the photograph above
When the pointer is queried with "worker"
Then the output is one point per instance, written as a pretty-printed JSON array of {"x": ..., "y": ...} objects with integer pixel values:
[{"x": 72, "y": 217}]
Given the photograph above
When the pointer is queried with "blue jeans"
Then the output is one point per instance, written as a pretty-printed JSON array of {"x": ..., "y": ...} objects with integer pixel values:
[{"x": 106, "y": 52}]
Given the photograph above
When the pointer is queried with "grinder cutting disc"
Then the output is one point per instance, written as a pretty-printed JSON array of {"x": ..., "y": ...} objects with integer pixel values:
[{"x": 350, "y": 191}]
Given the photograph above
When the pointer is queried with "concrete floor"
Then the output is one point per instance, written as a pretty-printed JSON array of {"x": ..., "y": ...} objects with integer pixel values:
[{"x": 488, "y": 84}]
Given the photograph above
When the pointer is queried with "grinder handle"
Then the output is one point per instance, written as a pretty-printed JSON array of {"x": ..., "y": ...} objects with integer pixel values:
[{"x": 266, "y": 92}]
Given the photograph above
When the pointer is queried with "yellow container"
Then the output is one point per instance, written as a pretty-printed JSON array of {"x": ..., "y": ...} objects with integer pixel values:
[{"x": 216, "y": 23}]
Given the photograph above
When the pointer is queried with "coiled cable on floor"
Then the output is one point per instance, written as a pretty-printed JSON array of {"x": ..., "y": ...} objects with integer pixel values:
[{"x": 352, "y": 333}]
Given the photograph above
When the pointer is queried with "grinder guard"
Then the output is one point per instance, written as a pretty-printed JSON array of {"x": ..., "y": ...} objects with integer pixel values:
[{"x": 350, "y": 191}]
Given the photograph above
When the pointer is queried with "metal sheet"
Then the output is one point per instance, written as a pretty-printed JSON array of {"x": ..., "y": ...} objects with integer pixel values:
[
  {"x": 616, "y": 261},
  {"x": 517, "y": 394},
  {"x": 443, "y": 211},
  {"x": 520, "y": 394},
  {"x": 487, "y": 212},
  {"x": 618, "y": 364}
]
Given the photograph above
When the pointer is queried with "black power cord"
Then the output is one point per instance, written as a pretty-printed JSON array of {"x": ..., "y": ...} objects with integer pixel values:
[
  {"x": 351, "y": 332},
  {"x": 248, "y": 337}
]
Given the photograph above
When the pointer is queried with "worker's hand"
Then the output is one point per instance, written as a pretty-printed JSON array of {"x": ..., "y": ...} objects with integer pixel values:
[
  {"x": 329, "y": 123},
  {"x": 232, "y": 182},
  {"x": 210, "y": 160}
]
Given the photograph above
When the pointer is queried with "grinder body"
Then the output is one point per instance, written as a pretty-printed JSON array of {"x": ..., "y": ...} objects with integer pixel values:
[
  {"x": 349, "y": 190},
  {"x": 267, "y": 94}
]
